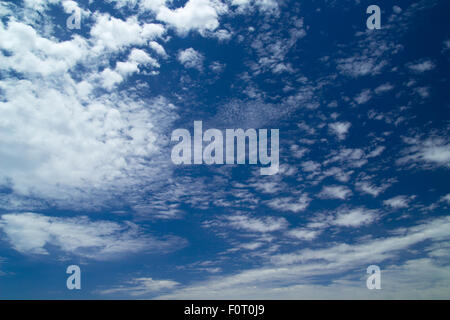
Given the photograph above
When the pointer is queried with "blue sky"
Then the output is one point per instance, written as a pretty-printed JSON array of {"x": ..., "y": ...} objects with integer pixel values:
[{"x": 86, "y": 177}]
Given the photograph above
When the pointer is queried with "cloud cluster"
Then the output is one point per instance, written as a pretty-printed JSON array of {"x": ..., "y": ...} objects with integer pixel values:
[{"x": 33, "y": 233}]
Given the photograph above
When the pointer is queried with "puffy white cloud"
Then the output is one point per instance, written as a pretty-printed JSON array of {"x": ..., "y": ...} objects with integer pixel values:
[
  {"x": 196, "y": 15},
  {"x": 61, "y": 139},
  {"x": 191, "y": 58},
  {"x": 115, "y": 34},
  {"x": 32, "y": 233},
  {"x": 111, "y": 78},
  {"x": 136, "y": 58},
  {"x": 159, "y": 49},
  {"x": 35, "y": 55},
  {"x": 152, "y": 5}
]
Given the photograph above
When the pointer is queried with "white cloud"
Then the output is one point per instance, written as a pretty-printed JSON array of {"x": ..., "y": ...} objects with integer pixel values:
[
  {"x": 292, "y": 275},
  {"x": 354, "y": 217},
  {"x": 262, "y": 224},
  {"x": 290, "y": 203},
  {"x": 335, "y": 192},
  {"x": 364, "y": 96},
  {"x": 340, "y": 129},
  {"x": 35, "y": 55},
  {"x": 376, "y": 152},
  {"x": 115, "y": 34},
  {"x": 248, "y": 5},
  {"x": 368, "y": 188},
  {"x": 446, "y": 198},
  {"x": 298, "y": 152},
  {"x": 62, "y": 140},
  {"x": 346, "y": 156},
  {"x": 196, "y": 15},
  {"x": 137, "y": 58},
  {"x": 310, "y": 166},
  {"x": 423, "y": 92},
  {"x": 384, "y": 88},
  {"x": 398, "y": 202},
  {"x": 32, "y": 233},
  {"x": 153, "y": 5},
  {"x": 141, "y": 286},
  {"x": 430, "y": 152},
  {"x": 217, "y": 66},
  {"x": 111, "y": 78},
  {"x": 397, "y": 9},
  {"x": 303, "y": 234},
  {"x": 222, "y": 35},
  {"x": 421, "y": 67},
  {"x": 159, "y": 49},
  {"x": 191, "y": 58},
  {"x": 360, "y": 66}
]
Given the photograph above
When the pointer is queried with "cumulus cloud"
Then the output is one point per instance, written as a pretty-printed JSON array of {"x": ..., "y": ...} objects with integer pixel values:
[
  {"x": 191, "y": 58},
  {"x": 159, "y": 49},
  {"x": 196, "y": 15},
  {"x": 115, "y": 34},
  {"x": 63, "y": 138}
]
